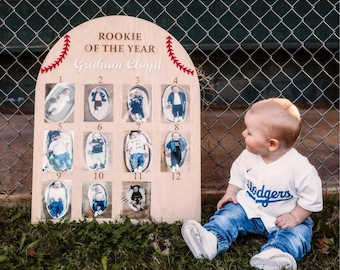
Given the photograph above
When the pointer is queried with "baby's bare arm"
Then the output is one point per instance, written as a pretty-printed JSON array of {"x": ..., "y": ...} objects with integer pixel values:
[
  {"x": 229, "y": 196},
  {"x": 295, "y": 217}
]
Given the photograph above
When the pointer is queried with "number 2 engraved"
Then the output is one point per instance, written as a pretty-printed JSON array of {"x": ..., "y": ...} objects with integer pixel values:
[{"x": 100, "y": 79}]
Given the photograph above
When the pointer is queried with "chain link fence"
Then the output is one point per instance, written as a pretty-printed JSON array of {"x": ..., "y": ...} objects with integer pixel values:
[{"x": 243, "y": 50}]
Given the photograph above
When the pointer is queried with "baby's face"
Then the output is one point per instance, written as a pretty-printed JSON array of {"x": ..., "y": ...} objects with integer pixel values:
[
  {"x": 66, "y": 92},
  {"x": 137, "y": 92},
  {"x": 175, "y": 89},
  {"x": 57, "y": 185},
  {"x": 96, "y": 136},
  {"x": 175, "y": 136},
  {"x": 134, "y": 135}
]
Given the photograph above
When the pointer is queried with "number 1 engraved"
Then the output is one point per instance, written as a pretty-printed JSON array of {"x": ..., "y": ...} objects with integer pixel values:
[
  {"x": 176, "y": 176},
  {"x": 140, "y": 176}
]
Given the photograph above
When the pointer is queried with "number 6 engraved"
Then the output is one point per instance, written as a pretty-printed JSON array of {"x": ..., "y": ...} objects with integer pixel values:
[{"x": 99, "y": 126}]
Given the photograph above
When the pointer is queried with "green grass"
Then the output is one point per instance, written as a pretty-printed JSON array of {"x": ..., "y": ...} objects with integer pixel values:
[{"x": 89, "y": 245}]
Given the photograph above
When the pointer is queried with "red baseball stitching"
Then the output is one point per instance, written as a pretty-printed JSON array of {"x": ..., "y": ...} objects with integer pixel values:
[
  {"x": 174, "y": 59},
  {"x": 61, "y": 56}
]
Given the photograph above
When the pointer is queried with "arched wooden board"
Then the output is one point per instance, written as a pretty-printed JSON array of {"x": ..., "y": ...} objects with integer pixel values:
[{"x": 118, "y": 54}]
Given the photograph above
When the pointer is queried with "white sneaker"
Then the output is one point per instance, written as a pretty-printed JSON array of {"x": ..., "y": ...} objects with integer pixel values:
[
  {"x": 273, "y": 259},
  {"x": 202, "y": 243}
]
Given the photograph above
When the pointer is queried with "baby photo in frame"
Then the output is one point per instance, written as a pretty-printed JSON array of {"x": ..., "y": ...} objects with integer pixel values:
[
  {"x": 96, "y": 151},
  {"x": 136, "y": 200},
  {"x": 175, "y": 103},
  {"x": 137, "y": 151},
  {"x": 56, "y": 199},
  {"x": 138, "y": 102},
  {"x": 175, "y": 151},
  {"x": 58, "y": 151},
  {"x": 96, "y": 199},
  {"x": 98, "y": 102},
  {"x": 59, "y": 102}
]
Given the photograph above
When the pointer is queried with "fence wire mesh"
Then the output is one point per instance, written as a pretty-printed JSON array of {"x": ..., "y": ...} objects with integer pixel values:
[{"x": 243, "y": 50}]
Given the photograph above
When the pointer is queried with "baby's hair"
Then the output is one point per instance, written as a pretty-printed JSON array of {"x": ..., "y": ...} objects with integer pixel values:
[{"x": 281, "y": 119}]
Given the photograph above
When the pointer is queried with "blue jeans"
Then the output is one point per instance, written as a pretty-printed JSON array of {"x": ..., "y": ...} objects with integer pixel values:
[
  {"x": 60, "y": 160},
  {"x": 137, "y": 159},
  {"x": 56, "y": 208},
  {"x": 102, "y": 205},
  {"x": 231, "y": 221}
]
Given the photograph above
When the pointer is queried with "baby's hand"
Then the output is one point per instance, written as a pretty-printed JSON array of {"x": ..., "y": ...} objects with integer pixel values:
[
  {"x": 226, "y": 199},
  {"x": 286, "y": 221}
]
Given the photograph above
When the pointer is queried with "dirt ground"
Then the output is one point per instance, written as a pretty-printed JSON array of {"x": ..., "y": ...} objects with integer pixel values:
[{"x": 221, "y": 144}]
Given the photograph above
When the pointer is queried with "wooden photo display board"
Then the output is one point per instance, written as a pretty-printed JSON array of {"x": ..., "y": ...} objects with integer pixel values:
[{"x": 117, "y": 126}]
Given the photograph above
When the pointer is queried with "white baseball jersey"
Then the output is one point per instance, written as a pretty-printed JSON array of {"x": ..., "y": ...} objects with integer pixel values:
[
  {"x": 269, "y": 190},
  {"x": 137, "y": 145}
]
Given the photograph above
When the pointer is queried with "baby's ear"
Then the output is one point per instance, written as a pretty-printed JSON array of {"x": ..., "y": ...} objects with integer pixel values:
[{"x": 273, "y": 144}]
